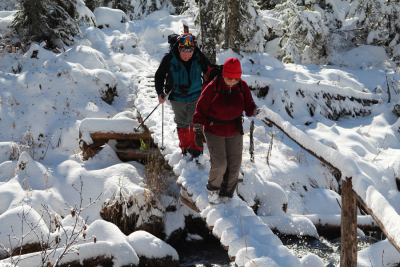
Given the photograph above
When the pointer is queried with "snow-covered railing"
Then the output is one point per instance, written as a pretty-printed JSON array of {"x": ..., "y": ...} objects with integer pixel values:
[{"x": 353, "y": 181}]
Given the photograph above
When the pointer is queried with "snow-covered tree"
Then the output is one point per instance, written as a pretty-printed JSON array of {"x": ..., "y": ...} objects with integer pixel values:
[
  {"x": 378, "y": 21},
  {"x": 92, "y": 4},
  {"x": 304, "y": 31},
  {"x": 48, "y": 20},
  {"x": 207, "y": 14},
  {"x": 83, "y": 14},
  {"x": 268, "y": 4},
  {"x": 329, "y": 11},
  {"x": 253, "y": 29},
  {"x": 142, "y": 8}
]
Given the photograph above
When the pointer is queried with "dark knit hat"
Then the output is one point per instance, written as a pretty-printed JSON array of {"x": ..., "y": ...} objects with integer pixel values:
[{"x": 232, "y": 68}]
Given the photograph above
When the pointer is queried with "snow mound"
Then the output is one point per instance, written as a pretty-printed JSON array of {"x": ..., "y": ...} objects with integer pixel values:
[
  {"x": 368, "y": 56},
  {"x": 6, "y": 151},
  {"x": 88, "y": 57},
  {"x": 312, "y": 260},
  {"x": 110, "y": 18},
  {"x": 6, "y": 18},
  {"x": 150, "y": 246},
  {"x": 12, "y": 224}
]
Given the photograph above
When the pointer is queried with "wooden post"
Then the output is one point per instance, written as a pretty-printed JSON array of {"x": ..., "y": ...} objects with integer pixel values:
[
  {"x": 348, "y": 248},
  {"x": 251, "y": 149},
  {"x": 185, "y": 28}
]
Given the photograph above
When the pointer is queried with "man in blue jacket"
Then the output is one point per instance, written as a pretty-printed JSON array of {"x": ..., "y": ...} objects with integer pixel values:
[{"x": 181, "y": 68}]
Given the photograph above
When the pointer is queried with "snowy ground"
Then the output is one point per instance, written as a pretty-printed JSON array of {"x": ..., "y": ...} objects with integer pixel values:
[{"x": 43, "y": 104}]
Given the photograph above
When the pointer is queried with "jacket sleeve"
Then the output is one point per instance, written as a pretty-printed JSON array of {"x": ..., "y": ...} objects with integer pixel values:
[
  {"x": 249, "y": 104},
  {"x": 161, "y": 73},
  {"x": 203, "y": 103}
]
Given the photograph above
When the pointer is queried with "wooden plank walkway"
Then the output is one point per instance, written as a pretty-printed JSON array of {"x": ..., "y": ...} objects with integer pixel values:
[{"x": 241, "y": 232}]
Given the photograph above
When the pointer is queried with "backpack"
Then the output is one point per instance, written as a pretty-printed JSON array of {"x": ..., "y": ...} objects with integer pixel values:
[
  {"x": 216, "y": 72},
  {"x": 212, "y": 72}
]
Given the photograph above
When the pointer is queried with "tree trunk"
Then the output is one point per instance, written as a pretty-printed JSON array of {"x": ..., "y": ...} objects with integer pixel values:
[
  {"x": 234, "y": 24},
  {"x": 207, "y": 29},
  {"x": 227, "y": 12}
]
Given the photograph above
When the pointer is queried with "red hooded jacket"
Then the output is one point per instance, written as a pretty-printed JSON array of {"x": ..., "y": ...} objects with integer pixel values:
[{"x": 220, "y": 109}]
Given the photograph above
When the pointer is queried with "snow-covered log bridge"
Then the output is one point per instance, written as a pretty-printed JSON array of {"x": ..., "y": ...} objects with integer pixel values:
[{"x": 355, "y": 187}]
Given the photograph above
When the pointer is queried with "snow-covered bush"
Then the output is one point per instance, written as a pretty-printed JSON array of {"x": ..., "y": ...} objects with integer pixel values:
[{"x": 110, "y": 18}]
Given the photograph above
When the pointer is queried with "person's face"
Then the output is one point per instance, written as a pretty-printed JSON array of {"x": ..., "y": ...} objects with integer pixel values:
[
  {"x": 186, "y": 53},
  {"x": 230, "y": 82}
]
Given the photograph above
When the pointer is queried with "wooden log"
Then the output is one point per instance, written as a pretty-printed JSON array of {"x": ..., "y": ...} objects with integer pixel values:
[
  {"x": 189, "y": 204},
  {"x": 134, "y": 154},
  {"x": 348, "y": 248},
  {"x": 132, "y": 136},
  {"x": 391, "y": 240},
  {"x": 226, "y": 248}
]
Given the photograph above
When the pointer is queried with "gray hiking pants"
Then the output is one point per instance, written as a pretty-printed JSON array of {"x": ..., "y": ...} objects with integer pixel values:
[
  {"x": 184, "y": 112},
  {"x": 225, "y": 158}
]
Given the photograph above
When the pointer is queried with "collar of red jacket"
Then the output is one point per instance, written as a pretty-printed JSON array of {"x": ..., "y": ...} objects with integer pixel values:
[{"x": 225, "y": 87}]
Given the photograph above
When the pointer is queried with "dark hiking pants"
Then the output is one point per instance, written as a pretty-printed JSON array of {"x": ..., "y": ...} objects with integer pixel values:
[{"x": 226, "y": 159}]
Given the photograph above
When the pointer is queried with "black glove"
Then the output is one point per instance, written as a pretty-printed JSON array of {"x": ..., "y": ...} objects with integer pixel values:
[
  {"x": 256, "y": 111},
  {"x": 199, "y": 139}
]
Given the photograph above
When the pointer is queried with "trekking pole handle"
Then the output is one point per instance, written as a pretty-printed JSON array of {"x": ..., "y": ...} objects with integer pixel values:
[{"x": 137, "y": 128}]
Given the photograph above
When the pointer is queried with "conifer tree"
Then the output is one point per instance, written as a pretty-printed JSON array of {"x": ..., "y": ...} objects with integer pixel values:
[
  {"x": 48, "y": 20},
  {"x": 92, "y": 4},
  {"x": 376, "y": 19},
  {"x": 268, "y": 4},
  {"x": 207, "y": 25},
  {"x": 304, "y": 31},
  {"x": 237, "y": 24},
  {"x": 142, "y": 8}
]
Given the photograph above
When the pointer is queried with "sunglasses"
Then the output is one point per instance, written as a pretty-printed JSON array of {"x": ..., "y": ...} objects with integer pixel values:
[{"x": 189, "y": 49}]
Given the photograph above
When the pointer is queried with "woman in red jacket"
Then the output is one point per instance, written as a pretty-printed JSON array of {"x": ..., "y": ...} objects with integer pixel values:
[{"x": 219, "y": 113}]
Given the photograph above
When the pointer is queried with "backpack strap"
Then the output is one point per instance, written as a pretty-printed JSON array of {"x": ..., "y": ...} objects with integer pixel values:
[{"x": 217, "y": 90}]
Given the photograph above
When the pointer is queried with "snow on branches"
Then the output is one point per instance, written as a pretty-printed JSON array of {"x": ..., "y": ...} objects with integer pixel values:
[{"x": 304, "y": 33}]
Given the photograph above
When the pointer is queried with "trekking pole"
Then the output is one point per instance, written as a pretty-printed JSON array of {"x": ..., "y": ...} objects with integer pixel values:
[
  {"x": 162, "y": 128},
  {"x": 137, "y": 128}
]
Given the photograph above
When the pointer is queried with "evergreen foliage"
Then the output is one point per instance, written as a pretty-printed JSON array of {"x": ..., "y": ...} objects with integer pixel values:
[
  {"x": 54, "y": 21},
  {"x": 142, "y": 8},
  {"x": 376, "y": 20},
  {"x": 268, "y": 4},
  {"x": 304, "y": 31},
  {"x": 253, "y": 30},
  {"x": 247, "y": 33}
]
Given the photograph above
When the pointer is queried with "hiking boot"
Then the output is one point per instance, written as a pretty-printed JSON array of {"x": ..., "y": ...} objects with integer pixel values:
[
  {"x": 225, "y": 200},
  {"x": 213, "y": 197},
  {"x": 184, "y": 152},
  {"x": 196, "y": 153}
]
